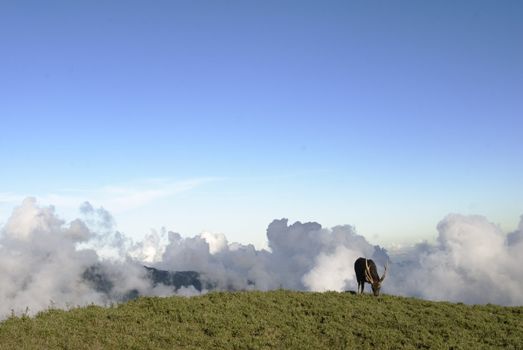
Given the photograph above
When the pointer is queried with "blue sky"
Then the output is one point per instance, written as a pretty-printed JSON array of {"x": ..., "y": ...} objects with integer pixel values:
[{"x": 221, "y": 116}]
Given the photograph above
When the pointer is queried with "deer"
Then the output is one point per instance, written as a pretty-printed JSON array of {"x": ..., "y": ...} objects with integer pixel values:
[{"x": 366, "y": 271}]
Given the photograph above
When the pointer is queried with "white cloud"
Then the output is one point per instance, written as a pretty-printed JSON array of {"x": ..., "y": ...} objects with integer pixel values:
[
  {"x": 472, "y": 262},
  {"x": 116, "y": 198},
  {"x": 332, "y": 271},
  {"x": 43, "y": 260},
  {"x": 10, "y": 198}
]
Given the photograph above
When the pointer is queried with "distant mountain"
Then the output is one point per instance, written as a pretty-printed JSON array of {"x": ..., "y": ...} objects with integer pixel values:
[
  {"x": 176, "y": 279},
  {"x": 104, "y": 282}
]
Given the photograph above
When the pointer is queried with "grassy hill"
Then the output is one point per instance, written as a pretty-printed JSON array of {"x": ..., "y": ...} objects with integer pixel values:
[{"x": 262, "y": 320}]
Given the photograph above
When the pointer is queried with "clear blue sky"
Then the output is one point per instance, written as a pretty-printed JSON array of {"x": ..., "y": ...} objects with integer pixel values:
[{"x": 223, "y": 115}]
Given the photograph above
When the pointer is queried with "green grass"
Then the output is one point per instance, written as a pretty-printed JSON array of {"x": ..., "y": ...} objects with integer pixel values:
[{"x": 264, "y": 320}]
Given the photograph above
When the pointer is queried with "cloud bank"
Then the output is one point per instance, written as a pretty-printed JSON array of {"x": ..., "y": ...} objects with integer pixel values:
[
  {"x": 472, "y": 262},
  {"x": 43, "y": 261}
]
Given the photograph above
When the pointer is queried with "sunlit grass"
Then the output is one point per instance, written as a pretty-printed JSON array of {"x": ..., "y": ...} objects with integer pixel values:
[{"x": 262, "y": 320}]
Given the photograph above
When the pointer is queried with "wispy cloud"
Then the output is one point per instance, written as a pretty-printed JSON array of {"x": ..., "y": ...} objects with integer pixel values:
[
  {"x": 116, "y": 197},
  {"x": 9, "y": 198}
]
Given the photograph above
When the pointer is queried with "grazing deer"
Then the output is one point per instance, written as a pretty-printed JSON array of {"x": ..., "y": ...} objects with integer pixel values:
[{"x": 366, "y": 272}]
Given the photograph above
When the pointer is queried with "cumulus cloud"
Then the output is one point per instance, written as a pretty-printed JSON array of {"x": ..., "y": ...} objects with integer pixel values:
[
  {"x": 473, "y": 261},
  {"x": 301, "y": 257},
  {"x": 150, "y": 250},
  {"x": 45, "y": 261},
  {"x": 331, "y": 271},
  {"x": 38, "y": 260}
]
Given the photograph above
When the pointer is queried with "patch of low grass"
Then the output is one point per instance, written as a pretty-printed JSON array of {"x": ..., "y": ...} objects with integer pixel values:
[{"x": 266, "y": 320}]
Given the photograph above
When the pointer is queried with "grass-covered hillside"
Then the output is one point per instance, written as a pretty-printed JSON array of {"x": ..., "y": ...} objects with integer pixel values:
[{"x": 264, "y": 320}]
